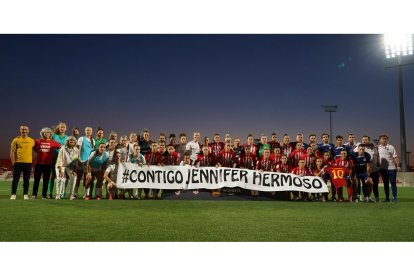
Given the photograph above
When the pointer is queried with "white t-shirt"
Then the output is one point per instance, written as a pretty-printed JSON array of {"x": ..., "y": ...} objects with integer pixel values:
[
  {"x": 387, "y": 154},
  {"x": 194, "y": 148},
  {"x": 112, "y": 171}
]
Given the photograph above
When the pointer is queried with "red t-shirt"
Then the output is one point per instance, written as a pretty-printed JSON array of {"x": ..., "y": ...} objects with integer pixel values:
[{"x": 44, "y": 149}]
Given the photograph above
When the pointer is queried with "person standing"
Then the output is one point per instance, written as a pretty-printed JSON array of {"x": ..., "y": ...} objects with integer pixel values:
[
  {"x": 372, "y": 150},
  {"x": 273, "y": 143},
  {"x": 262, "y": 145},
  {"x": 144, "y": 142},
  {"x": 21, "y": 158},
  {"x": 180, "y": 148},
  {"x": 194, "y": 147},
  {"x": 389, "y": 164},
  {"x": 60, "y": 137},
  {"x": 217, "y": 146},
  {"x": 45, "y": 149},
  {"x": 99, "y": 138},
  {"x": 85, "y": 145}
]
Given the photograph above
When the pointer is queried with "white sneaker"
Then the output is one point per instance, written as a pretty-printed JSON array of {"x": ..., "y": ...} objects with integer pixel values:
[
  {"x": 33, "y": 197},
  {"x": 57, "y": 197},
  {"x": 13, "y": 197},
  {"x": 72, "y": 197},
  {"x": 26, "y": 197}
]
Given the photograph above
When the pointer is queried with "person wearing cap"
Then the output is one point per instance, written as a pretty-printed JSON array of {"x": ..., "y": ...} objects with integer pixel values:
[
  {"x": 389, "y": 164},
  {"x": 21, "y": 158}
]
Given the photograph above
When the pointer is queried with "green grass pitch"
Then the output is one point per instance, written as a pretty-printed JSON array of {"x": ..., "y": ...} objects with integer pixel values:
[{"x": 204, "y": 220}]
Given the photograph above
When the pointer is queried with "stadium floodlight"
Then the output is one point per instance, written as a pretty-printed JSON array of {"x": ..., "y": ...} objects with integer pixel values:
[
  {"x": 330, "y": 109},
  {"x": 399, "y": 52}
]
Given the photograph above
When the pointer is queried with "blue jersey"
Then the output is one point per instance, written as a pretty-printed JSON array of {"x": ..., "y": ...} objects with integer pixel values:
[
  {"x": 360, "y": 162},
  {"x": 327, "y": 148},
  {"x": 61, "y": 140},
  {"x": 86, "y": 147},
  {"x": 97, "y": 161},
  {"x": 337, "y": 151}
]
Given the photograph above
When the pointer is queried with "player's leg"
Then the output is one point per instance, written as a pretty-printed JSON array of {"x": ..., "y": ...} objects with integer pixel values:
[
  {"x": 375, "y": 181},
  {"x": 17, "y": 170},
  {"x": 27, "y": 168},
  {"x": 386, "y": 181},
  {"x": 36, "y": 182},
  {"x": 393, "y": 179}
]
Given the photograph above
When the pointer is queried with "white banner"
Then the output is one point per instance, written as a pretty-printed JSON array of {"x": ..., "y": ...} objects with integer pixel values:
[{"x": 188, "y": 178}]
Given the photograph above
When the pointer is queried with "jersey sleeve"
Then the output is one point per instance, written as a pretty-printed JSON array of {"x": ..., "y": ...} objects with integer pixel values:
[{"x": 80, "y": 142}]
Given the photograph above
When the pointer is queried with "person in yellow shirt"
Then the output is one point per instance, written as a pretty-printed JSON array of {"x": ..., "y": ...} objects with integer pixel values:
[{"x": 21, "y": 157}]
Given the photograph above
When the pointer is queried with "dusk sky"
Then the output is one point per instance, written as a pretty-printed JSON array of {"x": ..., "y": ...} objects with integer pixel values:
[{"x": 237, "y": 84}]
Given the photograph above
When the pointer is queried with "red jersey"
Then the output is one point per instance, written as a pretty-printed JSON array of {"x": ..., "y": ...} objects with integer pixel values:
[
  {"x": 253, "y": 149},
  {"x": 300, "y": 172},
  {"x": 283, "y": 168},
  {"x": 275, "y": 159},
  {"x": 170, "y": 159},
  {"x": 205, "y": 160},
  {"x": 265, "y": 164},
  {"x": 44, "y": 149},
  {"x": 273, "y": 145},
  {"x": 153, "y": 158},
  {"x": 286, "y": 149},
  {"x": 309, "y": 160},
  {"x": 295, "y": 156},
  {"x": 338, "y": 175},
  {"x": 347, "y": 163},
  {"x": 247, "y": 161},
  {"x": 216, "y": 148},
  {"x": 227, "y": 159}
]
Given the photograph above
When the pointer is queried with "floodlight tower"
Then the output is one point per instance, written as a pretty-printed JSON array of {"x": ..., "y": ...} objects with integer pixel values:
[
  {"x": 399, "y": 52},
  {"x": 330, "y": 109}
]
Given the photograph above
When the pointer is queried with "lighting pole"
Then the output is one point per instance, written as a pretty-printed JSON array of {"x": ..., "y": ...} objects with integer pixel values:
[
  {"x": 330, "y": 109},
  {"x": 399, "y": 52}
]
